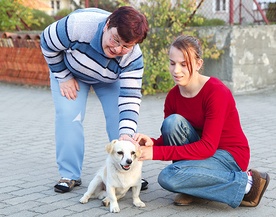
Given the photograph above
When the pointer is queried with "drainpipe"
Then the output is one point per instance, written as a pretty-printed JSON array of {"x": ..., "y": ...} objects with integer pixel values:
[
  {"x": 231, "y": 12},
  {"x": 87, "y": 3}
]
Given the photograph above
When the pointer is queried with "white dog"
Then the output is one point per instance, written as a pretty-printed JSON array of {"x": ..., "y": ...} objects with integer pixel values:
[{"x": 121, "y": 172}]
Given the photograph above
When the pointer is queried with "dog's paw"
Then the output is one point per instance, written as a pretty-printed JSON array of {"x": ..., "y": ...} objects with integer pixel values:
[
  {"x": 84, "y": 199},
  {"x": 114, "y": 209},
  {"x": 139, "y": 203}
]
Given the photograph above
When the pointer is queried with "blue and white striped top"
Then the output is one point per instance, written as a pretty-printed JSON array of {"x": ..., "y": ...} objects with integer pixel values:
[{"x": 72, "y": 47}]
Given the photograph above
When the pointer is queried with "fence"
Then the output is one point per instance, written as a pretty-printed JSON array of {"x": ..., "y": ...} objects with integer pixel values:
[
  {"x": 235, "y": 11},
  {"x": 21, "y": 60}
]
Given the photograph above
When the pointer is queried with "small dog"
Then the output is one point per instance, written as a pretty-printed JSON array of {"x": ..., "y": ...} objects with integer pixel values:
[{"x": 121, "y": 172}]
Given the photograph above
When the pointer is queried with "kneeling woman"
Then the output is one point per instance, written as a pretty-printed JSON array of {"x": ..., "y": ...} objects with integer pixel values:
[{"x": 202, "y": 135}]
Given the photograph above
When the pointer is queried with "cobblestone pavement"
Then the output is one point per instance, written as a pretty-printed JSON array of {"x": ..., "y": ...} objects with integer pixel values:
[{"x": 28, "y": 169}]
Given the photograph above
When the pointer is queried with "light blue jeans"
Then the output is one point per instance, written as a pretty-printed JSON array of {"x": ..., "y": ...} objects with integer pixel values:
[
  {"x": 70, "y": 114},
  {"x": 217, "y": 178}
]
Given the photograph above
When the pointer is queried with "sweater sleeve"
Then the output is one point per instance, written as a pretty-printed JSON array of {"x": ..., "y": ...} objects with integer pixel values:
[
  {"x": 58, "y": 39},
  {"x": 54, "y": 42},
  {"x": 130, "y": 91},
  {"x": 215, "y": 106}
]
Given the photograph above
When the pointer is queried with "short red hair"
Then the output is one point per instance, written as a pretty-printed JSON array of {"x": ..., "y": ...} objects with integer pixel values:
[{"x": 132, "y": 26}]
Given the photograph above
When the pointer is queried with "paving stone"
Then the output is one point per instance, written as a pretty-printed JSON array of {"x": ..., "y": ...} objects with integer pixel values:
[{"x": 29, "y": 172}]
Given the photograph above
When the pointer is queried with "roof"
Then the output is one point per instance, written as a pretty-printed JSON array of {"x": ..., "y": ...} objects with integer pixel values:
[{"x": 11, "y": 39}]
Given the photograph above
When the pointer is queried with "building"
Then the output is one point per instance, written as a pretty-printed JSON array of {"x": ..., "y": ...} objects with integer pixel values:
[
  {"x": 243, "y": 11},
  {"x": 51, "y": 7}
]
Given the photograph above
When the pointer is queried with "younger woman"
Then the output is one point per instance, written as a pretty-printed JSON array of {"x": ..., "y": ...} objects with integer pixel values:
[{"x": 202, "y": 135}]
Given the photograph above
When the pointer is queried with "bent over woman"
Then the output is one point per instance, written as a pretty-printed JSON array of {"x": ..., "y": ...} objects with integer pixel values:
[{"x": 92, "y": 48}]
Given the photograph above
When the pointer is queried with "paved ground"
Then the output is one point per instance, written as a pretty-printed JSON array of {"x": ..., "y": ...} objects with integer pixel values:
[{"x": 28, "y": 169}]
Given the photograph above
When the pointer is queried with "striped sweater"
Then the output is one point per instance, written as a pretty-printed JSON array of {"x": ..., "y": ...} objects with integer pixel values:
[{"x": 72, "y": 48}]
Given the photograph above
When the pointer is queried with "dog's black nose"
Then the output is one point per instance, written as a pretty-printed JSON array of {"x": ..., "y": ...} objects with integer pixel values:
[{"x": 129, "y": 161}]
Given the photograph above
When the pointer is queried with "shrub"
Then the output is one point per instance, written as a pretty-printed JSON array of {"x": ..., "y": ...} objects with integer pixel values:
[
  {"x": 43, "y": 20},
  {"x": 108, "y": 5},
  {"x": 63, "y": 12},
  {"x": 213, "y": 22},
  {"x": 271, "y": 12},
  {"x": 205, "y": 22}
]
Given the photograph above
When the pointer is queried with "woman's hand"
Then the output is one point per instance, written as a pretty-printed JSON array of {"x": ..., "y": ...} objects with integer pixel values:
[
  {"x": 69, "y": 88},
  {"x": 128, "y": 138},
  {"x": 142, "y": 139},
  {"x": 146, "y": 153},
  {"x": 145, "y": 142}
]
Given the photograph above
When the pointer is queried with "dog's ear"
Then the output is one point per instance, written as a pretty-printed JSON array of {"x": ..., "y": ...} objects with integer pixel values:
[{"x": 109, "y": 147}]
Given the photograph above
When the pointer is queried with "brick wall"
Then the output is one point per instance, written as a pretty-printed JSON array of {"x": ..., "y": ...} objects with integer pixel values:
[{"x": 21, "y": 60}]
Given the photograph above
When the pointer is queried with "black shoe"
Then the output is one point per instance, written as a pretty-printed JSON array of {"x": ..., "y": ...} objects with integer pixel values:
[
  {"x": 144, "y": 185},
  {"x": 66, "y": 185}
]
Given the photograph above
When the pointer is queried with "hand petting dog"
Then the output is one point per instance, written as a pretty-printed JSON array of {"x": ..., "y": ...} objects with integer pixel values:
[{"x": 145, "y": 144}]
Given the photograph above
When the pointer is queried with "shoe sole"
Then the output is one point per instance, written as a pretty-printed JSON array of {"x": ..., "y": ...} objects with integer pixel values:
[
  {"x": 247, "y": 203},
  {"x": 181, "y": 204},
  {"x": 144, "y": 188},
  {"x": 267, "y": 178}
]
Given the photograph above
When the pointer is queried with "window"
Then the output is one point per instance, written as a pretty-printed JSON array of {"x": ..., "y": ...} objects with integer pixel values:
[
  {"x": 220, "y": 5},
  {"x": 58, "y": 5}
]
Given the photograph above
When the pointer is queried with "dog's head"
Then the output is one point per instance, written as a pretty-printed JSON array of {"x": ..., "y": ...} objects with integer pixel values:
[{"x": 123, "y": 153}]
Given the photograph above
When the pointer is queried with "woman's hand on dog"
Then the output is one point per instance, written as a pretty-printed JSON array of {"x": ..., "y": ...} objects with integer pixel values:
[
  {"x": 142, "y": 139},
  {"x": 146, "y": 144},
  {"x": 138, "y": 139},
  {"x": 127, "y": 138}
]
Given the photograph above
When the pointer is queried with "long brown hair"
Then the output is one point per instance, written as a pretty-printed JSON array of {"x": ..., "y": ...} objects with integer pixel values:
[{"x": 190, "y": 47}]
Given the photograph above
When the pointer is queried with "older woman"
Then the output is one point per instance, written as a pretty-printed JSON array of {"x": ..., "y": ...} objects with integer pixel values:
[{"x": 92, "y": 48}]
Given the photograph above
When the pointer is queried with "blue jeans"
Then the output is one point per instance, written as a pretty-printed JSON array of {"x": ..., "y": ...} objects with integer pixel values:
[
  {"x": 217, "y": 178},
  {"x": 70, "y": 114}
]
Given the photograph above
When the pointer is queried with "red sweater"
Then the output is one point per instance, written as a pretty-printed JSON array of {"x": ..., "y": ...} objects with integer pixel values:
[{"x": 213, "y": 113}]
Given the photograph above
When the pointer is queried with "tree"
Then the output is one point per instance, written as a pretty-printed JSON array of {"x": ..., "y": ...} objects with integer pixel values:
[
  {"x": 167, "y": 19},
  {"x": 14, "y": 16}
]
